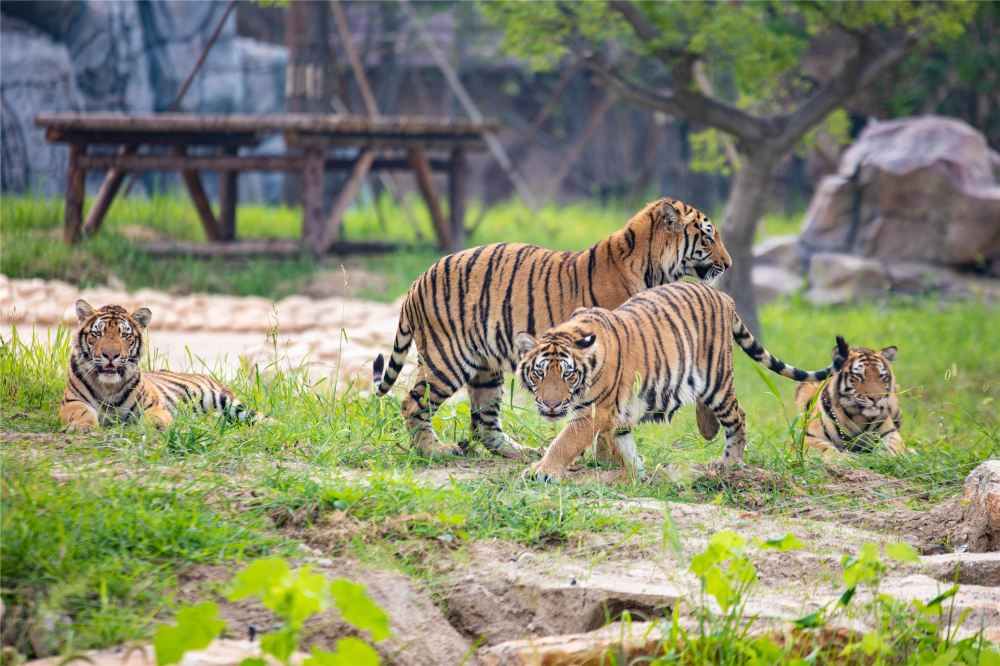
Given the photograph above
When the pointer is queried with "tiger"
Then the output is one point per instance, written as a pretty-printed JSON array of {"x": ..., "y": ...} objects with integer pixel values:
[
  {"x": 465, "y": 310},
  {"x": 609, "y": 370},
  {"x": 106, "y": 385},
  {"x": 857, "y": 409}
]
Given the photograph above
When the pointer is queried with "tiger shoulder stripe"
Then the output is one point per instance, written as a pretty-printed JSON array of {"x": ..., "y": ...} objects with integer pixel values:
[
  {"x": 609, "y": 370},
  {"x": 105, "y": 383},
  {"x": 464, "y": 312},
  {"x": 857, "y": 410}
]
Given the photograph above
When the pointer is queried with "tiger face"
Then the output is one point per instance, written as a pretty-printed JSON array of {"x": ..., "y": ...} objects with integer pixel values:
[
  {"x": 866, "y": 383},
  {"x": 688, "y": 241},
  {"x": 557, "y": 368},
  {"x": 109, "y": 341}
]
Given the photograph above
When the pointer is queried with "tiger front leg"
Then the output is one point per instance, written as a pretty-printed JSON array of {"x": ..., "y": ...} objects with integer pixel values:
[
  {"x": 894, "y": 444},
  {"x": 574, "y": 439},
  {"x": 624, "y": 452},
  {"x": 158, "y": 415},
  {"x": 78, "y": 416},
  {"x": 485, "y": 397}
]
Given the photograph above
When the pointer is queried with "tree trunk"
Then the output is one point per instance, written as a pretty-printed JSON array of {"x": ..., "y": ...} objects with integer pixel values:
[{"x": 743, "y": 210}]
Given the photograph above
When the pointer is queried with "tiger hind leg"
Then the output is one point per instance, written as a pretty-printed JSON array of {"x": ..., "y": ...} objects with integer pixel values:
[
  {"x": 418, "y": 407},
  {"x": 733, "y": 420},
  {"x": 485, "y": 396}
]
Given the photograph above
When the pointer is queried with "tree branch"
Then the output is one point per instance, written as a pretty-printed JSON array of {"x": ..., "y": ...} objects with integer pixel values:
[
  {"x": 690, "y": 100},
  {"x": 860, "y": 71}
]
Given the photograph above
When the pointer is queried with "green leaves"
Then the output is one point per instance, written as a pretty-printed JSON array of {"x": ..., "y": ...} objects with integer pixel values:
[
  {"x": 357, "y": 608},
  {"x": 902, "y": 552},
  {"x": 785, "y": 543},
  {"x": 350, "y": 651},
  {"x": 196, "y": 627}
]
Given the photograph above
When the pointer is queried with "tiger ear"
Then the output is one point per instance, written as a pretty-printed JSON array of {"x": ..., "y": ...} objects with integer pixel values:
[
  {"x": 143, "y": 316},
  {"x": 83, "y": 310},
  {"x": 525, "y": 342},
  {"x": 671, "y": 217},
  {"x": 889, "y": 353},
  {"x": 586, "y": 341}
]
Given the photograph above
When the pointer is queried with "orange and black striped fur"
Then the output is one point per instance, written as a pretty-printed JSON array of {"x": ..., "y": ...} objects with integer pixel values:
[
  {"x": 465, "y": 310},
  {"x": 858, "y": 408},
  {"x": 106, "y": 384},
  {"x": 608, "y": 370}
]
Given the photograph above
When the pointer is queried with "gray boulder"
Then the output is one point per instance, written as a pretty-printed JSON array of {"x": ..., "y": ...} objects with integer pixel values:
[{"x": 918, "y": 189}]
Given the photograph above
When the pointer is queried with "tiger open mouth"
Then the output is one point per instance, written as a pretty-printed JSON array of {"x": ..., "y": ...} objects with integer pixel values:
[{"x": 110, "y": 369}]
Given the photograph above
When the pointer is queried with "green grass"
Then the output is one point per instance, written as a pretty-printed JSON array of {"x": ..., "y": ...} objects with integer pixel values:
[{"x": 98, "y": 527}]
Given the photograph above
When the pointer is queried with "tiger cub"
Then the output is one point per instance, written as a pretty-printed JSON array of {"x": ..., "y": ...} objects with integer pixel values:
[
  {"x": 858, "y": 407},
  {"x": 610, "y": 370},
  {"x": 106, "y": 384},
  {"x": 465, "y": 310}
]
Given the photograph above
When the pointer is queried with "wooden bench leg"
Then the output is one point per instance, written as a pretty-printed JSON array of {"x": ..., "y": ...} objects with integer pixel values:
[
  {"x": 74, "y": 195},
  {"x": 312, "y": 202},
  {"x": 456, "y": 199},
  {"x": 192, "y": 180},
  {"x": 106, "y": 195},
  {"x": 425, "y": 181},
  {"x": 362, "y": 165},
  {"x": 228, "y": 197}
]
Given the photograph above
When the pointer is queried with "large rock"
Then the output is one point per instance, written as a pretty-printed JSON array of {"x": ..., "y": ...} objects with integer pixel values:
[
  {"x": 980, "y": 532},
  {"x": 846, "y": 278},
  {"x": 918, "y": 189}
]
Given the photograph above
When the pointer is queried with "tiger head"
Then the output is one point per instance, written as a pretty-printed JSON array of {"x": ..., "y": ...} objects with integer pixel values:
[
  {"x": 109, "y": 342},
  {"x": 559, "y": 366},
  {"x": 866, "y": 384},
  {"x": 682, "y": 241}
]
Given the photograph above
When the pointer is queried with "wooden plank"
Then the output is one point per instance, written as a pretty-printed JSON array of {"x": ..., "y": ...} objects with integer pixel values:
[
  {"x": 106, "y": 195},
  {"x": 161, "y": 123},
  {"x": 192, "y": 180},
  {"x": 279, "y": 248},
  {"x": 312, "y": 201},
  {"x": 347, "y": 193},
  {"x": 289, "y": 163},
  {"x": 75, "y": 177},
  {"x": 228, "y": 196},
  {"x": 456, "y": 200},
  {"x": 425, "y": 181}
]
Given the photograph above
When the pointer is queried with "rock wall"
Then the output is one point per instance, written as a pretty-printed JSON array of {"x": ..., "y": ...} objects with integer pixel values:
[
  {"x": 126, "y": 56},
  {"x": 914, "y": 208}
]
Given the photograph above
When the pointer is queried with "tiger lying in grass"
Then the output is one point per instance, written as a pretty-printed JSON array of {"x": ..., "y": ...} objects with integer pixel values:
[
  {"x": 465, "y": 310},
  {"x": 106, "y": 384},
  {"x": 610, "y": 370},
  {"x": 858, "y": 407}
]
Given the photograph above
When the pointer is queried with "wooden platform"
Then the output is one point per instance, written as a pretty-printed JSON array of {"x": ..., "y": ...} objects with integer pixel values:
[{"x": 120, "y": 143}]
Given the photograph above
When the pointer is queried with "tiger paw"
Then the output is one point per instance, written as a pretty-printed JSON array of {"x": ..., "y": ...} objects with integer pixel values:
[
  {"x": 538, "y": 473},
  {"x": 429, "y": 445},
  {"x": 508, "y": 448}
]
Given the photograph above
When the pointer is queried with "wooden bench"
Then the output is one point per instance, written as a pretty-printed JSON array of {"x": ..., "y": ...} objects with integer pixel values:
[{"x": 120, "y": 143}]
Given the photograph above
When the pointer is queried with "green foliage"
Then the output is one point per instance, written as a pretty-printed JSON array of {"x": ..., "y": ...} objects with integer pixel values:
[
  {"x": 196, "y": 627},
  {"x": 294, "y": 597}
]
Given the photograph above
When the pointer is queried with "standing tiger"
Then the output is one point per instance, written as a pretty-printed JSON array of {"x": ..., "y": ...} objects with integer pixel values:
[
  {"x": 857, "y": 408},
  {"x": 610, "y": 370},
  {"x": 106, "y": 384},
  {"x": 465, "y": 310}
]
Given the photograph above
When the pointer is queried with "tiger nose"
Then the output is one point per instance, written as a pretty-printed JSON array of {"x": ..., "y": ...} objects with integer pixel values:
[
  {"x": 111, "y": 357},
  {"x": 550, "y": 404}
]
